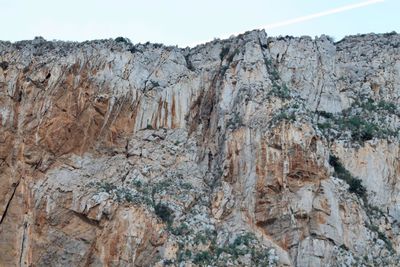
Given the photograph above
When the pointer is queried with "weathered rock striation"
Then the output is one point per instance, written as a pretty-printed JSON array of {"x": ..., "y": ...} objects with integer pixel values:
[{"x": 250, "y": 151}]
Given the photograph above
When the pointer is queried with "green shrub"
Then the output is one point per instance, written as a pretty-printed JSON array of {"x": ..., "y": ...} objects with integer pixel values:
[
  {"x": 390, "y": 107},
  {"x": 168, "y": 262},
  {"x": 284, "y": 116},
  {"x": 122, "y": 40},
  {"x": 361, "y": 130},
  {"x": 177, "y": 142},
  {"x": 200, "y": 238},
  {"x": 325, "y": 125},
  {"x": 129, "y": 197},
  {"x": 243, "y": 244},
  {"x": 369, "y": 105},
  {"x": 354, "y": 122},
  {"x": 137, "y": 183},
  {"x": 260, "y": 257},
  {"x": 186, "y": 186},
  {"x": 361, "y": 124},
  {"x": 355, "y": 184},
  {"x": 183, "y": 254},
  {"x": 203, "y": 258},
  {"x": 281, "y": 91},
  {"x": 224, "y": 52},
  {"x": 274, "y": 74},
  {"x": 107, "y": 187},
  {"x": 387, "y": 241},
  {"x": 381, "y": 236},
  {"x": 164, "y": 213},
  {"x": 133, "y": 50},
  {"x": 245, "y": 239},
  {"x": 268, "y": 63},
  {"x": 366, "y": 132},
  {"x": 325, "y": 114},
  {"x": 235, "y": 121},
  {"x": 183, "y": 229}
]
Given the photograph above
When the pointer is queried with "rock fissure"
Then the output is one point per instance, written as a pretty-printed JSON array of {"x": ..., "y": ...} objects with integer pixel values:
[{"x": 8, "y": 203}]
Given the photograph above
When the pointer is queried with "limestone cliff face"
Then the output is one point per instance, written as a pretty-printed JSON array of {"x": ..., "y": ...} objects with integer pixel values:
[{"x": 251, "y": 151}]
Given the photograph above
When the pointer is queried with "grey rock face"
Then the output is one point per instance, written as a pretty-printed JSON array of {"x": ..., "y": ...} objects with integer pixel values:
[{"x": 250, "y": 151}]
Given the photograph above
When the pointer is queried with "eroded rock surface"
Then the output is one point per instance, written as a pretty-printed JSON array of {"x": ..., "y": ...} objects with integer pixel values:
[{"x": 250, "y": 151}]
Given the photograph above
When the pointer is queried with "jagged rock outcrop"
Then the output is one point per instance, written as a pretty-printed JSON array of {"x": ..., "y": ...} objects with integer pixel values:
[{"x": 250, "y": 151}]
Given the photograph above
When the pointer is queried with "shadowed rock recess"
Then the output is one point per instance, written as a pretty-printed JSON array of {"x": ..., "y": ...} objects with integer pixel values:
[{"x": 250, "y": 151}]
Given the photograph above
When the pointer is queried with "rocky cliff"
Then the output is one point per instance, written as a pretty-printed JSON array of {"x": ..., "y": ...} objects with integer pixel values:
[{"x": 250, "y": 151}]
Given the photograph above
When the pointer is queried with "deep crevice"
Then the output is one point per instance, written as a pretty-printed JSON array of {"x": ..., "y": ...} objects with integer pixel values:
[
  {"x": 23, "y": 245},
  {"x": 9, "y": 202}
]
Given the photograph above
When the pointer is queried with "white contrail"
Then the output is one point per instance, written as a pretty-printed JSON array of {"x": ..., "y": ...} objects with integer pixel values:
[
  {"x": 321, "y": 14},
  {"x": 304, "y": 18}
]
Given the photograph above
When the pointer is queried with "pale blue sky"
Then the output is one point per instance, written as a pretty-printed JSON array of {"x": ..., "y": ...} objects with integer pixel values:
[{"x": 187, "y": 22}]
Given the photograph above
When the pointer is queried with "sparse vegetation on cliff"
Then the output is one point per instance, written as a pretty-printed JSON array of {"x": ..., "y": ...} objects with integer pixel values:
[
  {"x": 243, "y": 250},
  {"x": 355, "y": 184},
  {"x": 358, "y": 123}
]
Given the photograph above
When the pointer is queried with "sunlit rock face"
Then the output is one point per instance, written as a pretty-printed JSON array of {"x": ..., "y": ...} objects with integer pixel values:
[{"x": 250, "y": 151}]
